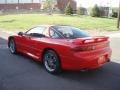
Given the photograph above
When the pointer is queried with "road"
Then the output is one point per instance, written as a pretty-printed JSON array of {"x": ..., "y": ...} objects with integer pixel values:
[{"x": 18, "y": 72}]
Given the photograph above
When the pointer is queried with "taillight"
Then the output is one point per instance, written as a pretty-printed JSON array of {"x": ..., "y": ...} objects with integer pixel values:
[
  {"x": 84, "y": 48},
  {"x": 91, "y": 47}
]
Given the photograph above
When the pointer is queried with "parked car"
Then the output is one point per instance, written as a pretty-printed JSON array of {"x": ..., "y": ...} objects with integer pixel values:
[{"x": 61, "y": 47}]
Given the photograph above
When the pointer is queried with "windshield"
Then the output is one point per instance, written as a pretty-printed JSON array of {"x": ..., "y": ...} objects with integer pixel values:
[{"x": 70, "y": 32}]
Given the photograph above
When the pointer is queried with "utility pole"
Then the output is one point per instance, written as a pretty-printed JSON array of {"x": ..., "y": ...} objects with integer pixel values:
[
  {"x": 5, "y": 6},
  {"x": 31, "y": 1},
  {"x": 5, "y": 1},
  {"x": 118, "y": 22},
  {"x": 18, "y": 1},
  {"x": 17, "y": 8}
]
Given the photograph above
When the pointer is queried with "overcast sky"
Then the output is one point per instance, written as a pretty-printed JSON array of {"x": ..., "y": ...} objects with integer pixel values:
[
  {"x": 89, "y": 3},
  {"x": 84, "y": 3}
]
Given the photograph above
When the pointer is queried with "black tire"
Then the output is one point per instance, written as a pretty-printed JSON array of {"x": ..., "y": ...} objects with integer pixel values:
[
  {"x": 51, "y": 62},
  {"x": 12, "y": 46}
]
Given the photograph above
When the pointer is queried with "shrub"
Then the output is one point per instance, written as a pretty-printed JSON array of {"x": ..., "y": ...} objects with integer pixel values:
[
  {"x": 68, "y": 10},
  {"x": 95, "y": 12},
  {"x": 115, "y": 14}
]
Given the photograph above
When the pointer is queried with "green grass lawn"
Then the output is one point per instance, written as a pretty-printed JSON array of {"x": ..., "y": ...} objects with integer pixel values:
[{"x": 25, "y": 21}]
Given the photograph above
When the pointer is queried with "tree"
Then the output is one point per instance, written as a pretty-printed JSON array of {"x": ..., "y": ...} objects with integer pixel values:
[
  {"x": 68, "y": 10},
  {"x": 95, "y": 12},
  {"x": 48, "y": 4}
]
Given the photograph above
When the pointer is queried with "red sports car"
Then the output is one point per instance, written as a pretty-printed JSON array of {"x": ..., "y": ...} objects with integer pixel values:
[{"x": 62, "y": 47}]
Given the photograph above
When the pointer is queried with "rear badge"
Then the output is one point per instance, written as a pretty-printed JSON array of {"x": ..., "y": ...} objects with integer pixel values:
[{"x": 101, "y": 59}]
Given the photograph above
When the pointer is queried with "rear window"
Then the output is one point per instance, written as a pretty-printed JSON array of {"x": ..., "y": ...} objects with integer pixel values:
[
  {"x": 54, "y": 35},
  {"x": 71, "y": 32}
]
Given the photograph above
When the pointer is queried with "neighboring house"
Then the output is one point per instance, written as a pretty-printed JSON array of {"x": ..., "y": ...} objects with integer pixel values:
[
  {"x": 20, "y": 6},
  {"x": 106, "y": 11},
  {"x": 6, "y": 5},
  {"x": 61, "y": 4},
  {"x": 83, "y": 11}
]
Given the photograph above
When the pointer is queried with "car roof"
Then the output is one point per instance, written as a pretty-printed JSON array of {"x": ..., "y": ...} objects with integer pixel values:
[{"x": 50, "y": 25}]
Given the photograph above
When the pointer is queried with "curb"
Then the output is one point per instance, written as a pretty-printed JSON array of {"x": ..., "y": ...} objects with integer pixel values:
[
  {"x": 8, "y": 32},
  {"x": 115, "y": 35}
]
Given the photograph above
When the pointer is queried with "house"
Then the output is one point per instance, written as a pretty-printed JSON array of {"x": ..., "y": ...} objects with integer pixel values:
[
  {"x": 105, "y": 11},
  {"x": 83, "y": 11},
  {"x": 7, "y": 5},
  {"x": 61, "y": 4}
]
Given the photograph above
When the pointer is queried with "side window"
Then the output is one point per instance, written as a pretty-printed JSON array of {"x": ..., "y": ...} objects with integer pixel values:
[
  {"x": 36, "y": 30},
  {"x": 46, "y": 32},
  {"x": 54, "y": 35}
]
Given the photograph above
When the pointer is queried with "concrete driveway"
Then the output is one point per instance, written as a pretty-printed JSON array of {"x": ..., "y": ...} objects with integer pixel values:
[{"x": 18, "y": 72}]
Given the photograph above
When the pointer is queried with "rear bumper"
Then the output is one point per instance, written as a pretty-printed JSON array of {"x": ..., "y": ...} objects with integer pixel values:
[{"x": 86, "y": 60}]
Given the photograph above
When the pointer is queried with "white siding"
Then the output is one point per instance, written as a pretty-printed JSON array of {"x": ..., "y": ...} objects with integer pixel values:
[
  {"x": 12, "y": 1},
  {"x": 36, "y": 1},
  {"x": 25, "y": 1}
]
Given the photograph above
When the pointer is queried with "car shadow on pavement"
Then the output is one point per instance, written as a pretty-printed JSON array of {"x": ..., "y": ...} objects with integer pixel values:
[{"x": 107, "y": 76}]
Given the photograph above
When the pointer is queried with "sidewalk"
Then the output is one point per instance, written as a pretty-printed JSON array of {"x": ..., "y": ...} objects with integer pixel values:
[
  {"x": 111, "y": 34},
  {"x": 4, "y": 35},
  {"x": 116, "y": 35}
]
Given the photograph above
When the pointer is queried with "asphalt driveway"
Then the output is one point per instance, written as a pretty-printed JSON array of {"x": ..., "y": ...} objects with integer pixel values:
[{"x": 18, "y": 72}]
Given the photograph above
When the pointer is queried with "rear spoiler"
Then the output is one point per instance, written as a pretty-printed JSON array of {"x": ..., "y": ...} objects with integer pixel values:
[
  {"x": 101, "y": 38},
  {"x": 91, "y": 39}
]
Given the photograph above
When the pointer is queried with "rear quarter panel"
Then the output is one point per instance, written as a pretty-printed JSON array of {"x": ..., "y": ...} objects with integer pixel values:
[{"x": 61, "y": 47}]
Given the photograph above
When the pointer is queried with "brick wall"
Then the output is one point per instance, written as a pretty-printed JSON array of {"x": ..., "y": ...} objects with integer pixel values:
[{"x": 25, "y": 6}]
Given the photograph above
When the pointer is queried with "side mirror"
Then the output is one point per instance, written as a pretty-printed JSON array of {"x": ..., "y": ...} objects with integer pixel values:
[{"x": 20, "y": 33}]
